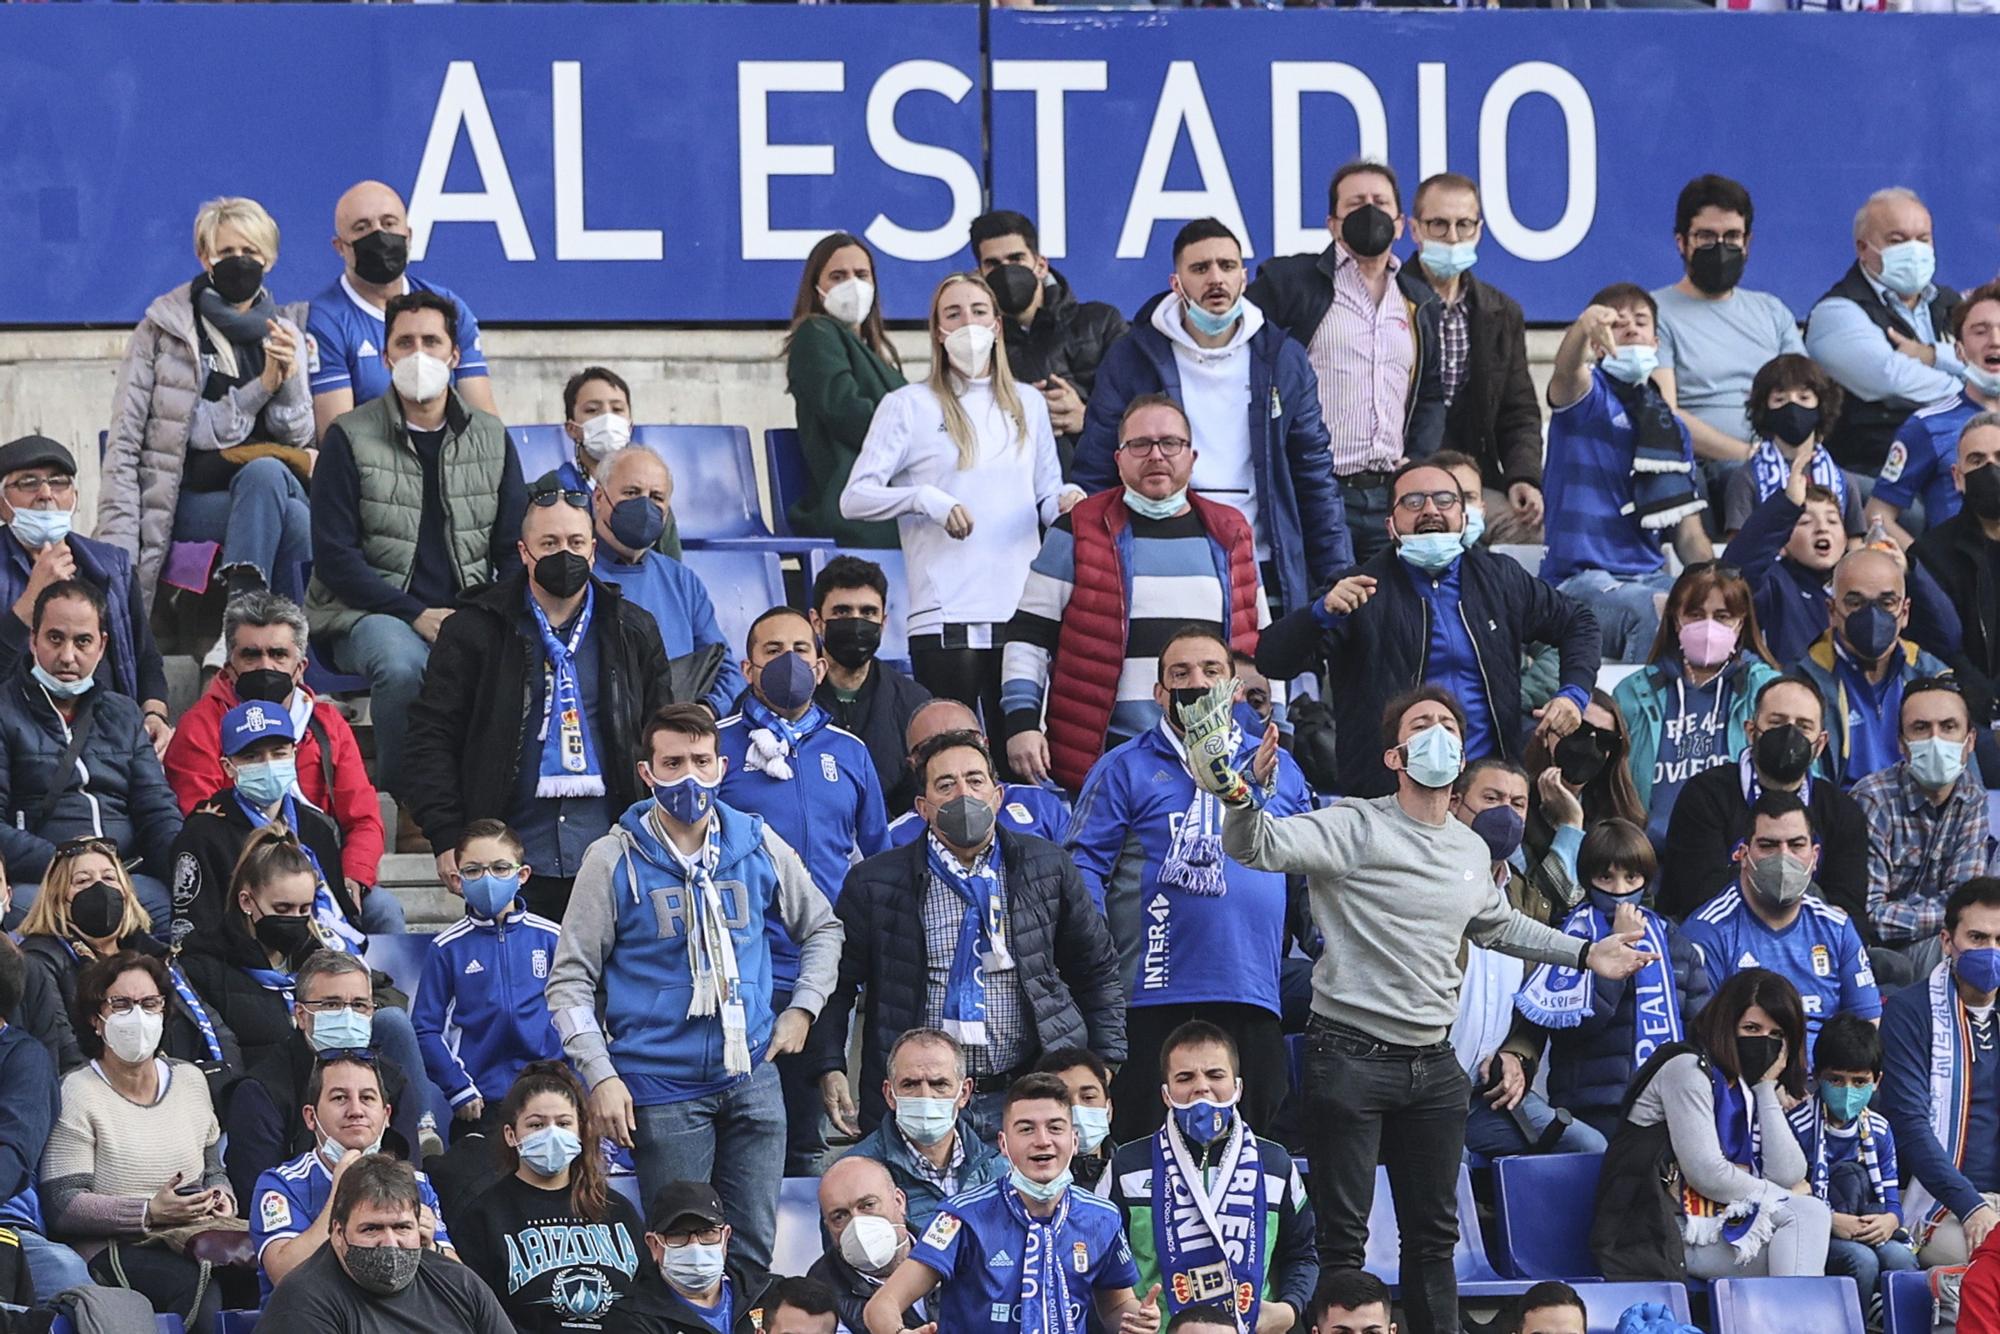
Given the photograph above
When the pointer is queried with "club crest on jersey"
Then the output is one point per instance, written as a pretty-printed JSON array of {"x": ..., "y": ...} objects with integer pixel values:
[
  {"x": 539, "y": 962},
  {"x": 1822, "y": 961},
  {"x": 828, "y": 769},
  {"x": 1079, "y": 1257}
]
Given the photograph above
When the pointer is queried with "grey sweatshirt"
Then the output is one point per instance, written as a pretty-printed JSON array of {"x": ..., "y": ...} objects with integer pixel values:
[
  {"x": 1392, "y": 898},
  {"x": 1682, "y": 1096}
]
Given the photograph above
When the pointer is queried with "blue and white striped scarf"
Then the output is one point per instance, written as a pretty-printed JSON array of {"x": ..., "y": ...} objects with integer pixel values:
[{"x": 1768, "y": 471}]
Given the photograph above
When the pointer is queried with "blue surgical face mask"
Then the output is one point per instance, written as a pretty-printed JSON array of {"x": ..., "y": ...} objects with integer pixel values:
[
  {"x": 1212, "y": 326},
  {"x": 1147, "y": 507},
  {"x": 60, "y": 688},
  {"x": 1908, "y": 266},
  {"x": 1433, "y": 757},
  {"x": 1632, "y": 362},
  {"x": 1985, "y": 381},
  {"x": 926, "y": 1120},
  {"x": 1035, "y": 1190},
  {"x": 695, "y": 1267},
  {"x": 1430, "y": 552},
  {"x": 1978, "y": 969},
  {"x": 786, "y": 682},
  {"x": 1475, "y": 526},
  {"x": 686, "y": 799},
  {"x": 1202, "y": 1121},
  {"x": 1844, "y": 1104},
  {"x": 489, "y": 895},
  {"x": 343, "y": 1030},
  {"x": 1447, "y": 259},
  {"x": 550, "y": 1149},
  {"x": 265, "y": 784},
  {"x": 1936, "y": 763},
  {"x": 38, "y": 528},
  {"x": 1093, "y": 1126}
]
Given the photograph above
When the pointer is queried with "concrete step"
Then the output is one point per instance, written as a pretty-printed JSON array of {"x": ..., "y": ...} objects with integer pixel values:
[{"x": 412, "y": 877}]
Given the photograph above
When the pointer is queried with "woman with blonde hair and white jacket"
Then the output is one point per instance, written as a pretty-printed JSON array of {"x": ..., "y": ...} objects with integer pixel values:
[{"x": 965, "y": 463}]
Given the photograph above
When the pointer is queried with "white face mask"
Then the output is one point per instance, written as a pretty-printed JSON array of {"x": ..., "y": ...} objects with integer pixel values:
[
  {"x": 420, "y": 377},
  {"x": 135, "y": 1035},
  {"x": 850, "y": 300},
  {"x": 870, "y": 1244},
  {"x": 695, "y": 1267},
  {"x": 606, "y": 434},
  {"x": 970, "y": 347}
]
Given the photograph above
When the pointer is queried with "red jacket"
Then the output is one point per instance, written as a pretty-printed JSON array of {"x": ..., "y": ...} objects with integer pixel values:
[
  {"x": 1090, "y": 648},
  {"x": 194, "y": 771},
  {"x": 1979, "y": 1291}
]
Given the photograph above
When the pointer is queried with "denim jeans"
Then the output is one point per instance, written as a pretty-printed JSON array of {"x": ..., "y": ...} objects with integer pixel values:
[
  {"x": 1369, "y": 1102},
  {"x": 392, "y": 655},
  {"x": 1367, "y": 514},
  {"x": 381, "y": 913},
  {"x": 1862, "y": 1263},
  {"x": 735, "y": 1141},
  {"x": 1627, "y": 610},
  {"x": 1495, "y": 1134},
  {"x": 262, "y": 520},
  {"x": 396, "y": 1039},
  {"x": 53, "y": 1266}
]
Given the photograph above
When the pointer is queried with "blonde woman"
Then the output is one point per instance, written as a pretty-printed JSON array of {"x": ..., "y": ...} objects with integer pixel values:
[
  {"x": 212, "y": 425},
  {"x": 87, "y": 911},
  {"x": 966, "y": 465}
]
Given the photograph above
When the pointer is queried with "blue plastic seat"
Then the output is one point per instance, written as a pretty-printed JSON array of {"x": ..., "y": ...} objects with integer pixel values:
[
  {"x": 742, "y": 584},
  {"x": 1908, "y": 1308},
  {"x": 162, "y": 1324},
  {"x": 239, "y": 1322},
  {"x": 1543, "y": 1204},
  {"x": 798, "y": 1242},
  {"x": 627, "y": 1185},
  {"x": 786, "y": 473},
  {"x": 401, "y": 956},
  {"x": 1765, "y": 1305},
  {"x": 541, "y": 449},
  {"x": 1476, "y": 1276},
  {"x": 895, "y": 628},
  {"x": 1603, "y": 1303}
]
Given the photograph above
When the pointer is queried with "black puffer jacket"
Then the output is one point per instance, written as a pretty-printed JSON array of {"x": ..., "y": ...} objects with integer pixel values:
[
  {"x": 463, "y": 748},
  {"x": 58, "y": 966},
  {"x": 1067, "y": 338},
  {"x": 1069, "y": 969}
]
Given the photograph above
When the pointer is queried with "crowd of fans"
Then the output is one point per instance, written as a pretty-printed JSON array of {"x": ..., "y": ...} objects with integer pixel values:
[{"x": 1249, "y": 801}]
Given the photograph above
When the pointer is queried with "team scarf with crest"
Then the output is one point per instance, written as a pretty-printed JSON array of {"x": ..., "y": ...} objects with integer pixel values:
[
  {"x": 1044, "y": 1286},
  {"x": 1210, "y": 1234}
]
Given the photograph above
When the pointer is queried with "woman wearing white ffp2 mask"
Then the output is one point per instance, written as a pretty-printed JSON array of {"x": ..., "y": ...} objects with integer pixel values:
[{"x": 966, "y": 465}]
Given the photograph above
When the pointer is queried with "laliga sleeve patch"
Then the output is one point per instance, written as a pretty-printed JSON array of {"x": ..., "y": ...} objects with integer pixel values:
[
  {"x": 1899, "y": 458},
  {"x": 274, "y": 1211},
  {"x": 942, "y": 1229},
  {"x": 312, "y": 355}
]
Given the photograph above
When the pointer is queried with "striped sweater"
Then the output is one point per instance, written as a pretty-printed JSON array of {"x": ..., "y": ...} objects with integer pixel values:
[{"x": 106, "y": 1156}]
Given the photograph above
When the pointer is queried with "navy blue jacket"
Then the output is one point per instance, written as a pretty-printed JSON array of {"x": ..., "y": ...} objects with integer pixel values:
[
  {"x": 132, "y": 664},
  {"x": 1299, "y": 501},
  {"x": 1591, "y": 1065},
  {"x": 28, "y": 1104},
  {"x": 1381, "y": 647}
]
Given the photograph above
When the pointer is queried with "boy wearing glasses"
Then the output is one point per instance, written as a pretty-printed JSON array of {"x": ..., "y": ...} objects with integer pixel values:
[
  {"x": 1078, "y": 643},
  {"x": 480, "y": 1012}
]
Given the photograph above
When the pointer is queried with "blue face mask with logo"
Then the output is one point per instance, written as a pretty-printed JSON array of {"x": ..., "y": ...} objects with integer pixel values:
[
  {"x": 1212, "y": 326},
  {"x": 265, "y": 784},
  {"x": 686, "y": 799},
  {"x": 1430, "y": 552},
  {"x": 1203, "y": 1121},
  {"x": 1844, "y": 1104},
  {"x": 343, "y": 1030},
  {"x": 489, "y": 895}
]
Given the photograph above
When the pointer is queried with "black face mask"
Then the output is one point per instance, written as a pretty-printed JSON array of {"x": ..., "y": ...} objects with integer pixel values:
[
  {"x": 1783, "y": 755},
  {"x": 237, "y": 278},
  {"x": 265, "y": 683},
  {"x": 1716, "y": 268},
  {"x": 562, "y": 573},
  {"x": 96, "y": 911},
  {"x": 1755, "y": 1055},
  {"x": 287, "y": 935},
  {"x": 1982, "y": 492},
  {"x": 1014, "y": 287},
  {"x": 1367, "y": 231},
  {"x": 1185, "y": 697},
  {"x": 381, "y": 257},
  {"x": 1794, "y": 423},
  {"x": 852, "y": 640},
  {"x": 1582, "y": 756}
]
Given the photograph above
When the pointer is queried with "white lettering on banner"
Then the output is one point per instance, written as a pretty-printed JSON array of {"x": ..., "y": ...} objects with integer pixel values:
[
  {"x": 1580, "y": 124},
  {"x": 1654, "y": 1026},
  {"x": 574, "y": 240},
  {"x": 1290, "y": 79},
  {"x": 462, "y": 104},
  {"x": 918, "y": 159},
  {"x": 758, "y": 159},
  {"x": 1181, "y": 104},
  {"x": 1433, "y": 155},
  {"x": 1048, "y": 80}
]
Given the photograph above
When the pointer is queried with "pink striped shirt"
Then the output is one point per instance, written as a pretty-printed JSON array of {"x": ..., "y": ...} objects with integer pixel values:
[{"x": 1363, "y": 353}]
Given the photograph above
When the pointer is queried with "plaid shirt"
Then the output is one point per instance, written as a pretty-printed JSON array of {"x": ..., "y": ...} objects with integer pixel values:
[
  {"x": 1455, "y": 342},
  {"x": 1006, "y": 1006},
  {"x": 1918, "y": 853}
]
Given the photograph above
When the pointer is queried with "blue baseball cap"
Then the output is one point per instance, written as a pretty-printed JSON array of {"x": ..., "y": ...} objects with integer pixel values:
[{"x": 255, "y": 720}]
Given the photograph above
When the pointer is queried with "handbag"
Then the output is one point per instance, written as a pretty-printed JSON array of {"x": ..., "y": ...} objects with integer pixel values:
[{"x": 297, "y": 459}]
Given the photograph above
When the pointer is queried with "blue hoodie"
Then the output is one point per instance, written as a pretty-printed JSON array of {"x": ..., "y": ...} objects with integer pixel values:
[
  {"x": 623, "y": 955},
  {"x": 479, "y": 1010}
]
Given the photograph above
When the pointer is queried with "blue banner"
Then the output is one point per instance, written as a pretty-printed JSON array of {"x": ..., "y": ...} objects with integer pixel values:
[{"x": 607, "y": 163}]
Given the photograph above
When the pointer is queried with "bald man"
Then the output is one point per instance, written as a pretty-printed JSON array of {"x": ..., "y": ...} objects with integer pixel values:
[
  {"x": 629, "y": 510},
  {"x": 344, "y": 336},
  {"x": 852, "y": 1190},
  {"x": 1024, "y": 808},
  {"x": 1862, "y": 662}
]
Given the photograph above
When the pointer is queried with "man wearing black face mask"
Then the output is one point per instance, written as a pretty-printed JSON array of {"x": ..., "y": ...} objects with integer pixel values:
[
  {"x": 1784, "y": 739},
  {"x": 1054, "y": 341},
  {"x": 588, "y": 665},
  {"x": 1370, "y": 327},
  {"x": 975, "y": 929},
  {"x": 870, "y": 698},
  {"x": 629, "y": 509},
  {"x": 1715, "y": 334},
  {"x": 1963, "y": 554}
]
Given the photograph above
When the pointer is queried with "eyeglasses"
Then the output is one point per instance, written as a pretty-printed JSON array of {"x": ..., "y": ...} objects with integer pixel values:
[
  {"x": 549, "y": 495},
  {"x": 708, "y": 1236},
  {"x": 331, "y": 1005},
  {"x": 1705, "y": 237},
  {"x": 475, "y": 870},
  {"x": 1440, "y": 229},
  {"x": 58, "y": 485},
  {"x": 1888, "y": 602},
  {"x": 1166, "y": 446},
  {"x": 126, "y": 1004},
  {"x": 88, "y": 843},
  {"x": 1413, "y": 501}
]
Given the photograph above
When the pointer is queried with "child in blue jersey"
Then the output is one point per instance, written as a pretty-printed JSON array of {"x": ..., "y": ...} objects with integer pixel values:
[
  {"x": 479, "y": 1011},
  {"x": 1022, "y": 1254},
  {"x": 1852, "y": 1156}
]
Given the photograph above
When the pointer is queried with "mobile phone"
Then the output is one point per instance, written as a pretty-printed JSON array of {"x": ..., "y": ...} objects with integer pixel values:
[{"x": 191, "y": 1190}]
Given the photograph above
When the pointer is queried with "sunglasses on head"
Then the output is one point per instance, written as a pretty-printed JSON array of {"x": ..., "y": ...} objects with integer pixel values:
[{"x": 549, "y": 495}]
